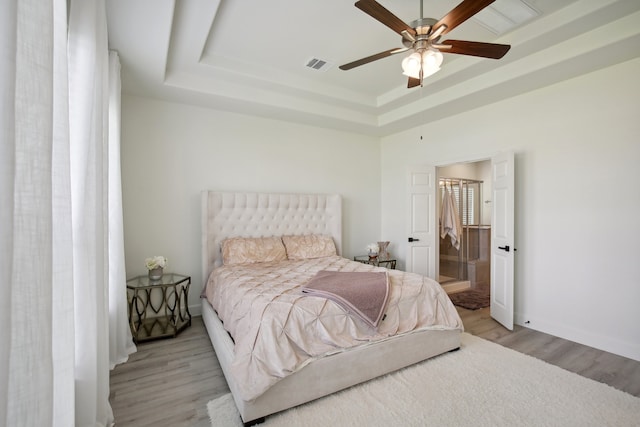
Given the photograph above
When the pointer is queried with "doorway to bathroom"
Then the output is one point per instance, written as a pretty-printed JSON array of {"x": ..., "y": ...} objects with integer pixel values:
[
  {"x": 464, "y": 249},
  {"x": 498, "y": 216}
]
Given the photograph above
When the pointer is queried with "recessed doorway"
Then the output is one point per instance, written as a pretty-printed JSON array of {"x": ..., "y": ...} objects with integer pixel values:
[{"x": 464, "y": 249}]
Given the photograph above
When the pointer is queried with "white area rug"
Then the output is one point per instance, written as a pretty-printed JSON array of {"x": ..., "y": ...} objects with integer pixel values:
[{"x": 482, "y": 384}]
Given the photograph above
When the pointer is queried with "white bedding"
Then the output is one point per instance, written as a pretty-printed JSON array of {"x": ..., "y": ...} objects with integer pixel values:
[{"x": 277, "y": 330}]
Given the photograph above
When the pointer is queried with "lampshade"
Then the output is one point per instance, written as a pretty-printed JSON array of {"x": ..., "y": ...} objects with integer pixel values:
[{"x": 430, "y": 61}]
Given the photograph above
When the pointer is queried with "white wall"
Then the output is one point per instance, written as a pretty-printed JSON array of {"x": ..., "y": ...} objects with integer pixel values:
[
  {"x": 577, "y": 147},
  {"x": 171, "y": 152}
]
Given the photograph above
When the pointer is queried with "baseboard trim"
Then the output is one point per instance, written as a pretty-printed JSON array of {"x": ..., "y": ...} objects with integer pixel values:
[{"x": 629, "y": 350}]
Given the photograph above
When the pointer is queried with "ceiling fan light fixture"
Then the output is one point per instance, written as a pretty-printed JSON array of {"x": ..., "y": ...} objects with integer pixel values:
[
  {"x": 411, "y": 65},
  {"x": 429, "y": 61}
]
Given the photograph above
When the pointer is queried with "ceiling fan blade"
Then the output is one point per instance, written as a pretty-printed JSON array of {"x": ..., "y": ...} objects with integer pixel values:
[
  {"x": 484, "y": 50},
  {"x": 372, "y": 58},
  {"x": 378, "y": 12},
  {"x": 461, "y": 13},
  {"x": 413, "y": 82}
]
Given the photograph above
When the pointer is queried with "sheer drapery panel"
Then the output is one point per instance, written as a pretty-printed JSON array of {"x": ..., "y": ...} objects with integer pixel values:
[
  {"x": 63, "y": 309},
  {"x": 36, "y": 340}
]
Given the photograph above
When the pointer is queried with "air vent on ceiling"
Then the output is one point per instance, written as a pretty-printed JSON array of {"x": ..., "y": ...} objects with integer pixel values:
[
  {"x": 318, "y": 64},
  {"x": 504, "y": 15}
]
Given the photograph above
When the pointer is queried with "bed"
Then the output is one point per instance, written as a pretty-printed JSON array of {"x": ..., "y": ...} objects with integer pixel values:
[{"x": 316, "y": 366}]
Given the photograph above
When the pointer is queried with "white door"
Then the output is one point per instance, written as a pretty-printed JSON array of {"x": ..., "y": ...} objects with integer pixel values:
[
  {"x": 502, "y": 239},
  {"x": 422, "y": 230}
]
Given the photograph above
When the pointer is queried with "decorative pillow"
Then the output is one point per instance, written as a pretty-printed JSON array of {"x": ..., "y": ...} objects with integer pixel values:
[
  {"x": 309, "y": 246},
  {"x": 248, "y": 250}
]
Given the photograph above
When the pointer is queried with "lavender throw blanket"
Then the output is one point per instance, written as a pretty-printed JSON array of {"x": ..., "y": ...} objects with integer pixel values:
[{"x": 363, "y": 294}]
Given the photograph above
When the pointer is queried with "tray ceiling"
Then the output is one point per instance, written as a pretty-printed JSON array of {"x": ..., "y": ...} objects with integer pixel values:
[{"x": 250, "y": 56}]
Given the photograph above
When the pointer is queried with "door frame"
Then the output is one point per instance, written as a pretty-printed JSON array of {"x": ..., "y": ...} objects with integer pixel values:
[{"x": 475, "y": 159}]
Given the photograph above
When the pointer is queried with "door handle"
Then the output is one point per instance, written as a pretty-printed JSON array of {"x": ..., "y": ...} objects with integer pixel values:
[
  {"x": 504, "y": 248},
  {"x": 411, "y": 239}
]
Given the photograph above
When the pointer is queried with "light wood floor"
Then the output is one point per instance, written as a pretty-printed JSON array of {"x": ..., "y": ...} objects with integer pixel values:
[{"x": 169, "y": 382}]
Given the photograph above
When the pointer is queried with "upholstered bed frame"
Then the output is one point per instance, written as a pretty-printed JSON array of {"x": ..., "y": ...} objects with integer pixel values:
[{"x": 226, "y": 215}]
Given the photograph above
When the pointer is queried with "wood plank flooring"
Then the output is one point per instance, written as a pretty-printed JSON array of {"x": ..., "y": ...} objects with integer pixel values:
[{"x": 169, "y": 382}]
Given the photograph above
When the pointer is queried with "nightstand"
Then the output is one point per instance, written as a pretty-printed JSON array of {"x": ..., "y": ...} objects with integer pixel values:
[
  {"x": 378, "y": 261},
  {"x": 158, "y": 308}
]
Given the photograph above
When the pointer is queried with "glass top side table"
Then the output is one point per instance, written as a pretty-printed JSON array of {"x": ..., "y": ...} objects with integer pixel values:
[
  {"x": 158, "y": 308},
  {"x": 377, "y": 261}
]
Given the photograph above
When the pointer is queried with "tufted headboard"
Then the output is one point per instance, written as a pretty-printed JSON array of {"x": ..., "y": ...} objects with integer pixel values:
[{"x": 226, "y": 214}]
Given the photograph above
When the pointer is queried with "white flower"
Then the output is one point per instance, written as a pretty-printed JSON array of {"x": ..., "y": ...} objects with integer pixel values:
[
  {"x": 373, "y": 248},
  {"x": 157, "y": 261}
]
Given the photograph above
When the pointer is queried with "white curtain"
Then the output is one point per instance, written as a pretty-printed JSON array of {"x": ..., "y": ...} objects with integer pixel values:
[
  {"x": 36, "y": 308},
  {"x": 62, "y": 264},
  {"x": 120, "y": 339}
]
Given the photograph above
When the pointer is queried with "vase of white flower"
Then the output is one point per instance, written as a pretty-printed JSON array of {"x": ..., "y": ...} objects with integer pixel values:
[
  {"x": 155, "y": 265},
  {"x": 155, "y": 274},
  {"x": 373, "y": 250}
]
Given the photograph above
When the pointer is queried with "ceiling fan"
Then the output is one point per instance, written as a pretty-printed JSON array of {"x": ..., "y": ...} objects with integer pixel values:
[{"x": 423, "y": 38}]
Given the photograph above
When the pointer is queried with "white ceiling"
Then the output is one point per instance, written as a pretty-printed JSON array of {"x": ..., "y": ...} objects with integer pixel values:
[{"x": 249, "y": 56}]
